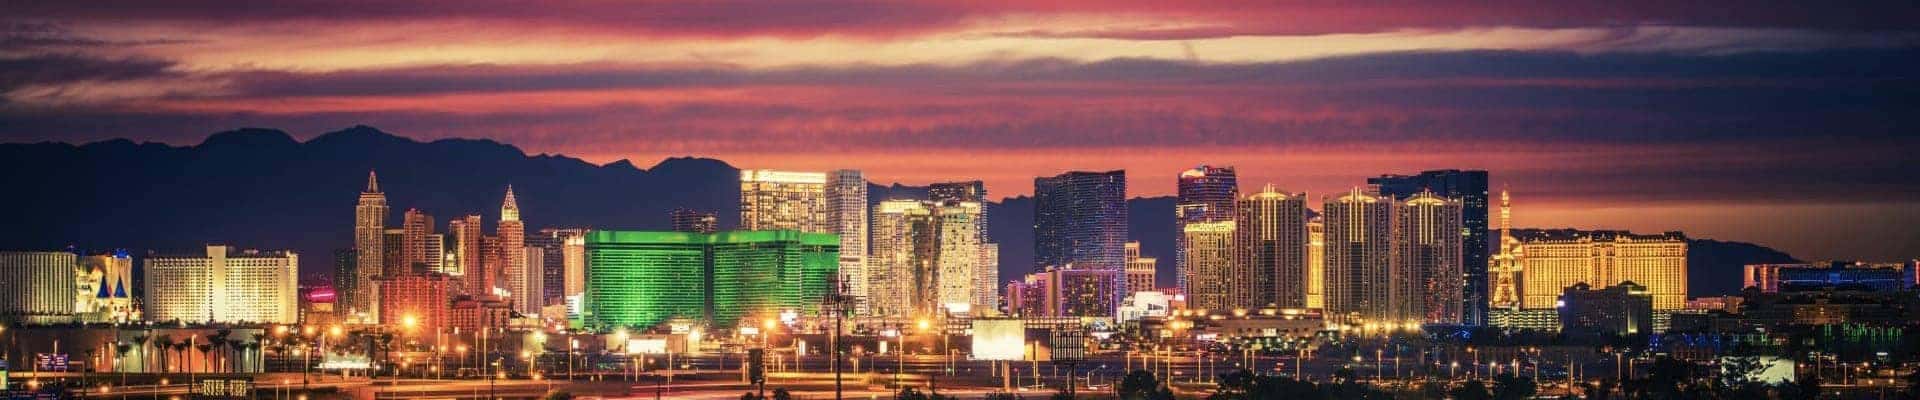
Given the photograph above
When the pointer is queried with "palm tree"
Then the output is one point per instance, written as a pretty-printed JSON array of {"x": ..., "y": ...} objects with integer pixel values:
[
  {"x": 218, "y": 341},
  {"x": 259, "y": 356},
  {"x": 162, "y": 343},
  {"x": 140, "y": 342},
  {"x": 180, "y": 350}
]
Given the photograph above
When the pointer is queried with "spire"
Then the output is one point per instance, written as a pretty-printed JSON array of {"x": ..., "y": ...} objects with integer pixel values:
[
  {"x": 373, "y": 182},
  {"x": 510, "y": 209}
]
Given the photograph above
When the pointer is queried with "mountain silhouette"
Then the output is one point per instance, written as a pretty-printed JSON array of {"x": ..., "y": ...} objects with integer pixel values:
[{"x": 261, "y": 188}]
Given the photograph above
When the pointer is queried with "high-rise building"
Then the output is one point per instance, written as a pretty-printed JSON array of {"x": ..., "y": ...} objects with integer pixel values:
[
  {"x": 1270, "y": 241},
  {"x": 513, "y": 256},
  {"x": 986, "y": 280},
  {"x": 783, "y": 200},
  {"x": 846, "y": 202},
  {"x": 437, "y": 253},
  {"x": 487, "y": 282},
  {"x": 1552, "y": 260},
  {"x": 1140, "y": 270},
  {"x": 416, "y": 306},
  {"x": 416, "y": 249},
  {"x": 1358, "y": 255},
  {"x": 574, "y": 250},
  {"x": 1470, "y": 187},
  {"x": 393, "y": 254},
  {"x": 561, "y": 253},
  {"x": 1831, "y": 275},
  {"x": 1206, "y": 194},
  {"x": 346, "y": 280},
  {"x": 532, "y": 282},
  {"x": 974, "y": 191},
  {"x": 641, "y": 279},
  {"x": 225, "y": 285},
  {"x": 898, "y": 257},
  {"x": 37, "y": 286},
  {"x": 469, "y": 269},
  {"x": 685, "y": 220},
  {"x": 987, "y": 276},
  {"x": 1080, "y": 222},
  {"x": 958, "y": 257},
  {"x": 1316, "y": 264},
  {"x": 1214, "y": 280},
  {"x": 369, "y": 244},
  {"x": 103, "y": 288},
  {"x": 1425, "y": 274}
]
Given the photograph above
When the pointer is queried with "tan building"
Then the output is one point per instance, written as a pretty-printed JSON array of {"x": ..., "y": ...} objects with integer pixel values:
[
  {"x": 369, "y": 244},
  {"x": 1316, "y": 264},
  {"x": 417, "y": 251},
  {"x": 1552, "y": 260},
  {"x": 846, "y": 203},
  {"x": 38, "y": 287},
  {"x": 1270, "y": 241},
  {"x": 224, "y": 285},
  {"x": 1357, "y": 256},
  {"x": 783, "y": 200},
  {"x": 467, "y": 264},
  {"x": 1427, "y": 280},
  {"x": 1214, "y": 281},
  {"x": 895, "y": 263},
  {"x": 104, "y": 288},
  {"x": 1140, "y": 270}
]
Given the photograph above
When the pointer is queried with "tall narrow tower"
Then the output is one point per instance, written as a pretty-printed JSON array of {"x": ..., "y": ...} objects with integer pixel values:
[
  {"x": 513, "y": 255},
  {"x": 1506, "y": 293},
  {"x": 369, "y": 242}
]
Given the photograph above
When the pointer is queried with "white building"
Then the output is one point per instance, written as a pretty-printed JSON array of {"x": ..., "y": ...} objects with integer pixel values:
[
  {"x": 223, "y": 286},
  {"x": 846, "y": 195}
]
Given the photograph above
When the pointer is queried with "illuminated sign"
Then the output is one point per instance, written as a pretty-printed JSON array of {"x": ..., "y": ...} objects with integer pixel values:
[
  {"x": 50, "y": 362},
  {"x": 646, "y": 346},
  {"x": 999, "y": 339},
  {"x": 223, "y": 388}
]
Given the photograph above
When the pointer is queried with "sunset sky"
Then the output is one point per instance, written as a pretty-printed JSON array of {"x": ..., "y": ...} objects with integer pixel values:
[{"x": 1790, "y": 124}]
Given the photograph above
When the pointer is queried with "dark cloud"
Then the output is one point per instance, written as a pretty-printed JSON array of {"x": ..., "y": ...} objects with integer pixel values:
[{"x": 56, "y": 69}]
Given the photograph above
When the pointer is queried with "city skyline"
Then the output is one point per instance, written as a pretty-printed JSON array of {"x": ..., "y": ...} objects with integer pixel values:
[{"x": 1646, "y": 115}]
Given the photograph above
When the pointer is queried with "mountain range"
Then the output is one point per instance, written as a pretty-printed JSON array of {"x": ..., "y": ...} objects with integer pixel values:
[{"x": 261, "y": 188}]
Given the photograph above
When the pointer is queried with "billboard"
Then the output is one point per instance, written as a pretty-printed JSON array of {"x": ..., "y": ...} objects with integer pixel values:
[
  {"x": 647, "y": 346},
  {"x": 1765, "y": 369},
  {"x": 999, "y": 339}
]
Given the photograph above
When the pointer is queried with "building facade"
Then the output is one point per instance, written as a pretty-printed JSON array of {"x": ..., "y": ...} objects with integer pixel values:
[
  {"x": 1552, "y": 260},
  {"x": 1080, "y": 222},
  {"x": 783, "y": 200},
  {"x": 468, "y": 255},
  {"x": 1316, "y": 264},
  {"x": 416, "y": 306},
  {"x": 1358, "y": 256},
  {"x": 1140, "y": 270},
  {"x": 1215, "y": 281},
  {"x": 38, "y": 286},
  {"x": 369, "y": 244},
  {"x": 846, "y": 195},
  {"x": 417, "y": 234},
  {"x": 1427, "y": 279},
  {"x": 1623, "y": 309},
  {"x": 1065, "y": 293},
  {"x": 1837, "y": 275},
  {"x": 104, "y": 288},
  {"x": 1470, "y": 187},
  {"x": 685, "y": 220},
  {"x": 1270, "y": 241},
  {"x": 224, "y": 285},
  {"x": 1205, "y": 194},
  {"x": 641, "y": 278},
  {"x": 513, "y": 257}
]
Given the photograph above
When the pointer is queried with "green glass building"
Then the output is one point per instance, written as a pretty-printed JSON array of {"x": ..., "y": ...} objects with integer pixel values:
[{"x": 640, "y": 279}]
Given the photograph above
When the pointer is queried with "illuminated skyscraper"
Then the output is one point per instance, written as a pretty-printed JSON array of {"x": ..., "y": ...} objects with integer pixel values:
[
  {"x": 783, "y": 200},
  {"x": 416, "y": 231},
  {"x": 1080, "y": 222},
  {"x": 393, "y": 254},
  {"x": 37, "y": 286},
  {"x": 1470, "y": 187},
  {"x": 899, "y": 257},
  {"x": 513, "y": 256},
  {"x": 1358, "y": 255},
  {"x": 846, "y": 196},
  {"x": 369, "y": 244},
  {"x": 1271, "y": 242},
  {"x": 1140, "y": 270},
  {"x": 224, "y": 285},
  {"x": 1316, "y": 264},
  {"x": 986, "y": 280},
  {"x": 558, "y": 257},
  {"x": 1206, "y": 194},
  {"x": 640, "y": 279},
  {"x": 685, "y": 220},
  {"x": 1214, "y": 280},
  {"x": 958, "y": 256},
  {"x": 1553, "y": 260},
  {"x": 469, "y": 269},
  {"x": 345, "y": 278},
  {"x": 987, "y": 276},
  {"x": 1425, "y": 276}
]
